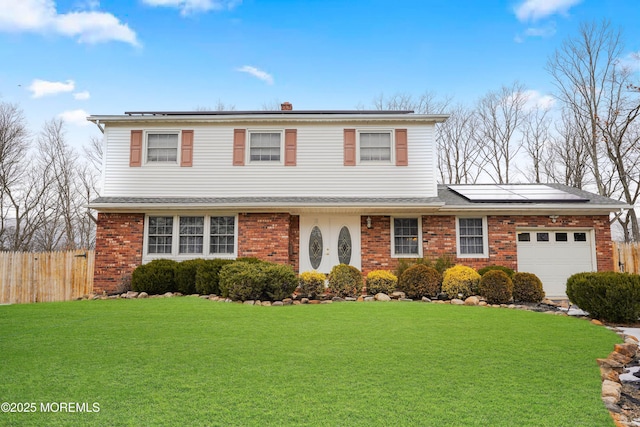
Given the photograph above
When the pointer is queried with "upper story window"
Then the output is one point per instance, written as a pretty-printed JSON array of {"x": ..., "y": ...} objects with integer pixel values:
[
  {"x": 472, "y": 237},
  {"x": 162, "y": 147},
  {"x": 265, "y": 146},
  {"x": 375, "y": 146}
]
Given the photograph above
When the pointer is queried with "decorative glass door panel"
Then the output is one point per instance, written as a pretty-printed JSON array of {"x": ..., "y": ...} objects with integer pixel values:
[
  {"x": 315, "y": 247},
  {"x": 344, "y": 245},
  {"x": 327, "y": 240}
]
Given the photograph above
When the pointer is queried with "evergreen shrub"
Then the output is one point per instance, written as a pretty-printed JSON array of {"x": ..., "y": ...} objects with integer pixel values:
[
  {"x": 420, "y": 281},
  {"x": 345, "y": 281},
  {"x": 496, "y": 287},
  {"x": 381, "y": 281},
  {"x": 608, "y": 296},
  {"x": 460, "y": 280},
  {"x": 527, "y": 287},
  {"x": 155, "y": 277}
]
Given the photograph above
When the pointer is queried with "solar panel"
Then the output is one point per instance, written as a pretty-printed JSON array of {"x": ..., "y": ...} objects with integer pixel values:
[{"x": 514, "y": 193}]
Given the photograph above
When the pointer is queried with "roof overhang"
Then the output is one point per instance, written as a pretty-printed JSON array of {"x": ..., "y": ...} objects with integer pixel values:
[{"x": 532, "y": 209}]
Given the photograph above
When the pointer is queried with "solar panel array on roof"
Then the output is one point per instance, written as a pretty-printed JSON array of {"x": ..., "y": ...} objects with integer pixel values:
[{"x": 514, "y": 193}]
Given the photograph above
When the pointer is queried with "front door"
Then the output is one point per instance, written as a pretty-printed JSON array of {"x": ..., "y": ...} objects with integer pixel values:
[{"x": 328, "y": 240}]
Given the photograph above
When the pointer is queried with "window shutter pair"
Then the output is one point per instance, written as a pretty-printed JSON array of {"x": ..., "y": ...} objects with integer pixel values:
[
  {"x": 402, "y": 152},
  {"x": 186, "y": 149},
  {"x": 290, "y": 146}
]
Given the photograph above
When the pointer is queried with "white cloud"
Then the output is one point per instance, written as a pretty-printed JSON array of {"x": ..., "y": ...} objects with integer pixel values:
[
  {"x": 536, "y": 99},
  {"x": 194, "y": 6},
  {"x": 40, "y": 88},
  {"x": 545, "y": 32},
  {"x": 537, "y": 9},
  {"x": 262, "y": 75},
  {"x": 81, "y": 96},
  {"x": 41, "y": 16},
  {"x": 75, "y": 117}
]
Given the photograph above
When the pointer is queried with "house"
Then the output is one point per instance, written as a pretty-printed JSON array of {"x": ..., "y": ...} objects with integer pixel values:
[{"x": 316, "y": 188}]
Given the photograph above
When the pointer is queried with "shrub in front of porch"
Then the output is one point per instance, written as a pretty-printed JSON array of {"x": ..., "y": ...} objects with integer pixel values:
[
  {"x": 156, "y": 277},
  {"x": 345, "y": 281},
  {"x": 185, "y": 275},
  {"x": 420, "y": 281},
  {"x": 460, "y": 281},
  {"x": 243, "y": 281},
  {"x": 311, "y": 284},
  {"x": 381, "y": 281},
  {"x": 207, "y": 276},
  {"x": 496, "y": 287}
]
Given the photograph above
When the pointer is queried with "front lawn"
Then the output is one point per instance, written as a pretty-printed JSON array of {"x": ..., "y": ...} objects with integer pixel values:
[{"x": 188, "y": 361}]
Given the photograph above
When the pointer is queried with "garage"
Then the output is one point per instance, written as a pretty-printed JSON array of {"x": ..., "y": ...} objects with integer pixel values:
[{"x": 554, "y": 255}]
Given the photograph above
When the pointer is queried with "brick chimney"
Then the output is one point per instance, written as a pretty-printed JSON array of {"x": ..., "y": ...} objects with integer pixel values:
[{"x": 286, "y": 106}]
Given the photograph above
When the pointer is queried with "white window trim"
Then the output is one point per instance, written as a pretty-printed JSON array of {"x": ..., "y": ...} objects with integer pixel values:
[
  {"x": 393, "y": 235},
  {"x": 146, "y": 147},
  {"x": 392, "y": 154},
  {"x": 248, "y": 160},
  {"x": 175, "y": 237},
  {"x": 485, "y": 237}
]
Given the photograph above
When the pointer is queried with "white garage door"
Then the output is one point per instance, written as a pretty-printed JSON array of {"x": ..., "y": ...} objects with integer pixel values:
[{"x": 555, "y": 254}]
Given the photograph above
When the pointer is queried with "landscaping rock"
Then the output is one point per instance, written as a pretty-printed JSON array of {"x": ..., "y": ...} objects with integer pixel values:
[
  {"x": 351, "y": 299},
  {"x": 611, "y": 389},
  {"x": 132, "y": 294},
  {"x": 143, "y": 295},
  {"x": 360, "y": 298},
  {"x": 327, "y": 302},
  {"x": 249, "y": 302},
  {"x": 287, "y": 301},
  {"x": 277, "y": 303},
  {"x": 483, "y": 304},
  {"x": 627, "y": 349},
  {"x": 382, "y": 297},
  {"x": 405, "y": 300},
  {"x": 472, "y": 301},
  {"x": 304, "y": 300},
  {"x": 315, "y": 301},
  {"x": 425, "y": 299},
  {"x": 266, "y": 303},
  {"x": 368, "y": 299},
  {"x": 204, "y": 296},
  {"x": 457, "y": 301},
  {"x": 296, "y": 302},
  {"x": 337, "y": 299},
  {"x": 398, "y": 295},
  {"x": 168, "y": 295}
]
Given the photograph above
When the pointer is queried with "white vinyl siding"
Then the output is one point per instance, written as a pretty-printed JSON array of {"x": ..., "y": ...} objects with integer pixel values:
[
  {"x": 319, "y": 170},
  {"x": 190, "y": 236}
]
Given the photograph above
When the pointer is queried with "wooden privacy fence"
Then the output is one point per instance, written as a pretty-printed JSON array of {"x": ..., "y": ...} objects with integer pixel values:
[
  {"x": 626, "y": 257},
  {"x": 45, "y": 276}
]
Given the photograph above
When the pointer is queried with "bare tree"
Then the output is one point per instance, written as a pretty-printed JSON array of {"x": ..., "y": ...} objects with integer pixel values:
[
  {"x": 581, "y": 69},
  {"x": 427, "y": 103},
  {"x": 566, "y": 160},
  {"x": 458, "y": 151},
  {"x": 536, "y": 141},
  {"x": 220, "y": 106},
  {"x": 500, "y": 116}
]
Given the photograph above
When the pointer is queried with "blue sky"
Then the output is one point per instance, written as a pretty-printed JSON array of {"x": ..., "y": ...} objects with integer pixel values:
[{"x": 78, "y": 57}]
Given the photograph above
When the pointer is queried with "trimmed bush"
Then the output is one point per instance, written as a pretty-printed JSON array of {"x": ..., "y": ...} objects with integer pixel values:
[
  {"x": 311, "y": 284},
  {"x": 507, "y": 270},
  {"x": 496, "y": 287},
  {"x": 608, "y": 296},
  {"x": 242, "y": 281},
  {"x": 440, "y": 264},
  {"x": 381, "y": 281},
  {"x": 345, "y": 281},
  {"x": 420, "y": 281},
  {"x": 460, "y": 280},
  {"x": 280, "y": 281},
  {"x": 527, "y": 287},
  {"x": 207, "y": 276},
  {"x": 156, "y": 277},
  {"x": 185, "y": 275}
]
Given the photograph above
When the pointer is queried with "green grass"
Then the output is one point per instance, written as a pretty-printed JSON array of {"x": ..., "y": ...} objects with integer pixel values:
[{"x": 187, "y": 361}]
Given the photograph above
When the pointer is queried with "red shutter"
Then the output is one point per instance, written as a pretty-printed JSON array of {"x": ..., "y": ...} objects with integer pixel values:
[
  {"x": 290, "y": 146},
  {"x": 349, "y": 147},
  {"x": 239, "y": 136},
  {"x": 186, "y": 150},
  {"x": 402, "y": 153},
  {"x": 135, "y": 154}
]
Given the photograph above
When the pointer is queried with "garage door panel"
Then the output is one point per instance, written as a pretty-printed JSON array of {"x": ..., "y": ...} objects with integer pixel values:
[{"x": 554, "y": 255}]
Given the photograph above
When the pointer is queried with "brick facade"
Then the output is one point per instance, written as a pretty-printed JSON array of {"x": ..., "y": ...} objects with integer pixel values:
[
  {"x": 265, "y": 236},
  {"x": 119, "y": 240},
  {"x": 275, "y": 237}
]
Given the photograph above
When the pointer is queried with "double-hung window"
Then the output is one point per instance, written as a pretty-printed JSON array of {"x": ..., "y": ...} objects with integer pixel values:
[
  {"x": 159, "y": 234},
  {"x": 190, "y": 236},
  {"x": 265, "y": 146},
  {"x": 162, "y": 147},
  {"x": 406, "y": 237},
  {"x": 472, "y": 237},
  {"x": 375, "y": 146}
]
